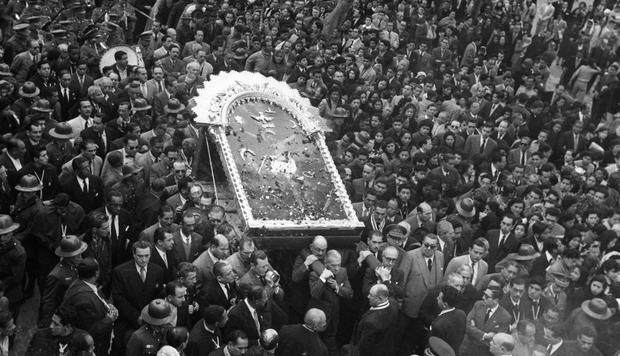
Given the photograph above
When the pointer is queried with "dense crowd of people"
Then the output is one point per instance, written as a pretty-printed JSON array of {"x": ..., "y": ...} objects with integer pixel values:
[{"x": 478, "y": 140}]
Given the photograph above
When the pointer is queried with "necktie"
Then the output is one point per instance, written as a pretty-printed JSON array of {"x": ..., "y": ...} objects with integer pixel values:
[
  {"x": 113, "y": 232},
  {"x": 256, "y": 320},
  {"x": 473, "y": 273},
  {"x": 487, "y": 315},
  {"x": 66, "y": 93},
  {"x": 84, "y": 186},
  {"x": 484, "y": 142},
  {"x": 165, "y": 258},
  {"x": 105, "y": 303},
  {"x": 430, "y": 264},
  {"x": 523, "y": 158},
  {"x": 143, "y": 274},
  {"x": 85, "y": 124},
  {"x": 576, "y": 142},
  {"x": 501, "y": 240},
  {"x": 228, "y": 290}
]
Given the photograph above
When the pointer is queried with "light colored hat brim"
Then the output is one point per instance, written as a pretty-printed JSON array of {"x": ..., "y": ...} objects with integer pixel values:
[
  {"x": 61, "y": 253},
  {"x": 29, "y": 95},
  {"x": 146, "y": 317},
  {"x": 11, "y": 228},
  {"x": 586, "y": 309},
  {"x": 29, "y": 189}
]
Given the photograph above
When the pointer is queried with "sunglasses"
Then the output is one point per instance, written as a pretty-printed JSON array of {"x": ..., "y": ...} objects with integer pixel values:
[{"x": 430, "y": 246}]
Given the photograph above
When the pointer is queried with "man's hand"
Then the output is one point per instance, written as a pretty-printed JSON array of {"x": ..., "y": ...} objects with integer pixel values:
[
  {"x": 112, "y": 313},
  {"x": 333, "y": 284},
  {"x": 383, "y": 273},
  {"x": 326, "y": 274},
  {"x": 310, "y": 260}
]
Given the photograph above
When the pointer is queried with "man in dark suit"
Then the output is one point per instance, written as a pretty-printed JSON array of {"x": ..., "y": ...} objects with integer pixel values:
[
  {"x": 43, "y": 78},
  {"x": 480, "y": 145},
  {"x": 187, "y": 243},
  {"x": 573, "y": 140},
  {"x": 121, "y": 67},
  {"x": 84, "y": 188},
  {"x": 326, "y": 290},
  {"x": 501, "y": 241},
  {"x": 557, "y": 345},
  {"x": 87, "y": 307},
  {"x": 386, "y": 274},
  {"x": 222, "y": 290},
  {"x": 446, "y": 173},
  {"x": 161, "y": 100},
  {"x": 68, "y": 97},
  {"x": 483, "y": 321},
  {"x": 80, "y": 81},
  {"x": 374, "y": 334},
  {"x": 513, "y": 301},
  {"x": 122, "y": 231},
  {"x": 450, "y": 323},
  {"x": 303, "y": 339},
  {"x": 206, "y": 337},
  {"x": 134, "y": 285},
  {"x": 237, "y": 341},
  {"x": 162, "y": 254},
  {"x": 12, "y": 159},
  {"x": 247, "y": 315},
  {"x": 100, "y": 134}
]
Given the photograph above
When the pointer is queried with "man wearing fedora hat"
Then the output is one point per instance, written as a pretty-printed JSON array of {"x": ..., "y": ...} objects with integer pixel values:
[
  {"x": 593, "y": 313},
  {"x": 156, "y": 317},
  {"x": 69, "y": 251},
  {"x": 60, "y": 148}
]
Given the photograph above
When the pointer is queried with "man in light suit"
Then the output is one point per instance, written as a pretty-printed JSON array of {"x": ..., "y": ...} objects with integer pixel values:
[
  {"x": 23, "y": 62},
  {"x": 486, "y": 319},
  {"x": 165, "y": 219},
  {"x": 156, "y": 84},
  {"x": 187, "y": 243},
  {"x": 205, "y": 262},
  {"x": 88, "y": 150},
  {"x": 365, "y": 208},
  {"x": 474, "y": 258},
  {"x": 522, "y": 154},
  {"x": 425, "y": 272},
  {"x": 480, "y": 145}
]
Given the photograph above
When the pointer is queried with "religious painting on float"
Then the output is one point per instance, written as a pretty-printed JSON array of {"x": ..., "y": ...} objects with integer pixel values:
[{"x": 277, "y": 163}]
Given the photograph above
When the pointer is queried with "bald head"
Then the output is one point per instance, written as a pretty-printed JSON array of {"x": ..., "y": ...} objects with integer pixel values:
[
  {"x": 502, "y": 344},
  {"x": 318, "y": 246},
  {"x": 315, "y": 319},
  {"x": 380, "y": 291}
]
